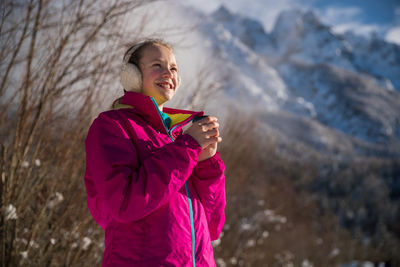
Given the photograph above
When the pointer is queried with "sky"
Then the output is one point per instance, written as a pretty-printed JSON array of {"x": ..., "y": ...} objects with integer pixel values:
[{"x": 363, "y": 17}]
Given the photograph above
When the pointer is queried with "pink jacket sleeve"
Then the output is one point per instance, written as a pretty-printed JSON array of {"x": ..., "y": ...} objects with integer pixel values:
[
  {"x": 130, "y": 188},
  {"x": 209, "y": 180}
]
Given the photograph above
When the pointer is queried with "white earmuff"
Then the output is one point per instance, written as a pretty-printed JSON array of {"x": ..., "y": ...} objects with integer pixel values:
[{"x": 131, "y": 76}]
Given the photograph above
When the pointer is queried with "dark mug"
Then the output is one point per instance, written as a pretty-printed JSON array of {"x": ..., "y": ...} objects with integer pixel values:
[{"x": 199, "y": 118}]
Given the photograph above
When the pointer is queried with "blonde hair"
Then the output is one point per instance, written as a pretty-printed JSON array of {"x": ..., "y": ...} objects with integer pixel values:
[{"x": 139, "y": 48}]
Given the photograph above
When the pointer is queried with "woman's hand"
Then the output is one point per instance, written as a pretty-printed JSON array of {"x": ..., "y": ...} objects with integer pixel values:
[
  {"x": 206, "y": 133},
  {"x": 208, "y": 152}
]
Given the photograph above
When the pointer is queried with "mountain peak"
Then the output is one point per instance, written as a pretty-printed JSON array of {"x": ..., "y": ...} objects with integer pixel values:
[
  {"x": 310, "y": 17},
  {"x": 298, "y": 48},
  {"x": 222, "y": 14},
  {"x": 296, "y": 20},
  {"x": 248, "y": 30}
]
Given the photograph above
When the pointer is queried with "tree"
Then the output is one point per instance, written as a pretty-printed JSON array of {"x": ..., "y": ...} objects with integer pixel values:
[{"x": 57, "y": 61}]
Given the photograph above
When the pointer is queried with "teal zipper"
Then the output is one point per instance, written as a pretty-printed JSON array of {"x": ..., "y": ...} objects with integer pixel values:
[
  {"x": 192, "y": 224},
  {"x": 187, "y": 190}
]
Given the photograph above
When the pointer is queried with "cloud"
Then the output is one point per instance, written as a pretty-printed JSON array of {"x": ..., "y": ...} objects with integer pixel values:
[
  {"x": 337, "y": 15},
  {"x": 393, "y": 35},
  {"x": 358, "y": 28},
  {"x": 343, "y": 19},
  {"x": 206, "y": 6}
]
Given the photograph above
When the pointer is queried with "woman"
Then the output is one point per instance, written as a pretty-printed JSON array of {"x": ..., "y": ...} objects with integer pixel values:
[{"x": 156, "y": 190}]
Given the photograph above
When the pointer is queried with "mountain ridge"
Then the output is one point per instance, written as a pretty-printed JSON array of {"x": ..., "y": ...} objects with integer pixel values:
[{"x": 318, "y": 74}]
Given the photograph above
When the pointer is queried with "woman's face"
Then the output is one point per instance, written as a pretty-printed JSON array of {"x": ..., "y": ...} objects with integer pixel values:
[{"x": 159, "y": 73}]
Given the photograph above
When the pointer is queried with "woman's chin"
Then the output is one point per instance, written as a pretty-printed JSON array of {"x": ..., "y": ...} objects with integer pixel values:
[{"x": 164, "y": 98}]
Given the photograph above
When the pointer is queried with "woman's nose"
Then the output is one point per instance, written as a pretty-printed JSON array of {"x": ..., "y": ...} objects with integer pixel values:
[{"x": 167, "y": 73}]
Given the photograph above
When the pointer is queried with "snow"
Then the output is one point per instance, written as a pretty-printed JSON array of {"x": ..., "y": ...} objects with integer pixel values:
[
  {"x": 220, "y": 262},
  {"x": 37, "y": 162},
  {"x": 11, "y": 212},
  {"x": 265, "y": 234},
  {"x": 245, "y": 226},
  {"x": 55, "y": 199},
  {"x": 250, "y": 243},
  {"x": 334, "y": 252},
  {"x": 59, "y": 196},
  {"x": 302, "y": 67},
  {"x": 393, "y": 35},
  {"x": 24, "y": 254},
  {"x": 86, "y": 241},
  {"x": 33, "y": 244},
  {"x": 306, "y": 263}
]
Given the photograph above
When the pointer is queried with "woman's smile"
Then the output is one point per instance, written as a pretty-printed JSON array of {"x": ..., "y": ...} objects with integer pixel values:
[{"x": 165, "y": 85}]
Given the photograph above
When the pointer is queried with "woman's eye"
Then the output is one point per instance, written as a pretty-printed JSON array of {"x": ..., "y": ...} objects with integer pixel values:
[
  {"x": 174, "y": 69},
  {"x": 157, "y": 65}
]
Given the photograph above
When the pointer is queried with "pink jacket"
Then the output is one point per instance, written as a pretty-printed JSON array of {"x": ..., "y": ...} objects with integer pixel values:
[{"x": 157, "y": 204}]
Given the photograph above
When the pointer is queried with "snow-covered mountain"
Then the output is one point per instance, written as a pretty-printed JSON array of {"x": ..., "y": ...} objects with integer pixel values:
[
  {"x": 329, "y": 101},
  {"x": 329, "y": 92}
]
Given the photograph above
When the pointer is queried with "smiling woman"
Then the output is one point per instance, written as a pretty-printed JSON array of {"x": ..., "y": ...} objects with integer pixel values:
[{"x": 157, "y": 190}]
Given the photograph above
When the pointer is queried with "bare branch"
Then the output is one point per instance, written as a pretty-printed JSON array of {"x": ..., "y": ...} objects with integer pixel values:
[
  {"x": 17, "y": 49},
  {"x": 66, "y": 52}
]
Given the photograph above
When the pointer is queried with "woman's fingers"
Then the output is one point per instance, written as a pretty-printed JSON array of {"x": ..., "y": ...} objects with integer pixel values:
[
  {"x": 205, "y": 131},
  {"x": 211, "y": 141},
  {"x": 208, "y": 123},
  {"x": 208, "y": 126},
  {"x": 212, "y": 133}
]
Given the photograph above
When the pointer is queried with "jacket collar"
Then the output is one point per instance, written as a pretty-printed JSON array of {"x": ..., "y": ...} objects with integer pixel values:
[{"x": 145, "y": 106}]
